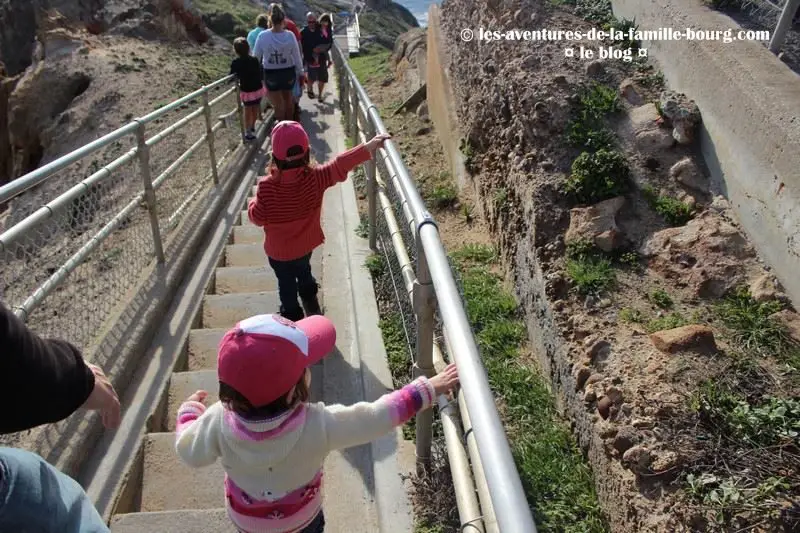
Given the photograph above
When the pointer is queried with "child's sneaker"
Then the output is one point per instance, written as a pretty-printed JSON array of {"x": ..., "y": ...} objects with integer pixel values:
[
  {"x": 249, "y": 137},
  {"x": 310, "y": 301},
  {"x": 311, "y": 306}
]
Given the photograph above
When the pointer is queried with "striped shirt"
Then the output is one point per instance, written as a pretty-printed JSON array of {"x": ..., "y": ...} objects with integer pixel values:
[{"x": 288, "y": 204}]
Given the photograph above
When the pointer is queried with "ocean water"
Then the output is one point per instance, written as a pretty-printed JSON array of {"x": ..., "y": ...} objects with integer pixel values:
[{"x": 419, "y": 8}]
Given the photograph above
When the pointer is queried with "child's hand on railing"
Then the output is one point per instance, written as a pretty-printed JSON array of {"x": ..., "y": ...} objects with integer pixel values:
[
  {"x": 377, "y": 142},
  {"x": 199, "y": 396},
  {"x": 446, "y": 380}
]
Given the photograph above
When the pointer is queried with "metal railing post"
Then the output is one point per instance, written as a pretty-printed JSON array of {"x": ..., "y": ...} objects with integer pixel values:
[
  {"x": 149, "y": 193},
  {"x": 240, "y": 112},
  {"x": 212, "y": 154},
  {"x": 784, "y": 23},
  {"x": 372, "y": 201},
  {"x": 353, "y": 118},
  {"x": 423, "y": 309}
]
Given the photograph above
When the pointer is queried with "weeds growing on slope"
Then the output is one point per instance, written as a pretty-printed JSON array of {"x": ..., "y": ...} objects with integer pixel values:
[
  {"x": 372, "y": 62},
  {"x": 753, "y": 329},
  {"x": 557, "y": 481},
  {"x": 598, "y": 176},
  {"x": 675, "y": 212}
]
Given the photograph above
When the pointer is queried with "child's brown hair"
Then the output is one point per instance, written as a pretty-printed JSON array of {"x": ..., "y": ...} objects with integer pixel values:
[
  {"x": 276, "y": 14},
  {"x": 241, "y": 47},
  {"x": 240, "y": 405}
]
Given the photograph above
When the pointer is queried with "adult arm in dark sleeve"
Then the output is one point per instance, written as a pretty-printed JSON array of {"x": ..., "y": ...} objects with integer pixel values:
[{"x": 48, "y": 379}]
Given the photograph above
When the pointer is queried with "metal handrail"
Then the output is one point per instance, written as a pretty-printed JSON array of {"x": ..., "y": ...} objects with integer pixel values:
[
  {"x": 23, "y": 183},
  {"x": 434, "y": 284},
  {"x": 147, "y": 195}
]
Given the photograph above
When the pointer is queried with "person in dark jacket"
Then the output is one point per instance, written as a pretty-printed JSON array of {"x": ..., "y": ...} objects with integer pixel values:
[{"x": 50, "y": 380}]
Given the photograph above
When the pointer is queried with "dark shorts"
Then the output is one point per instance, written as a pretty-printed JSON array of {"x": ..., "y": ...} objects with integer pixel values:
[
  {"x": 318, "y": 74},
  {"x": 282, "y": 79},
  {"x": 252, "y": 103}
]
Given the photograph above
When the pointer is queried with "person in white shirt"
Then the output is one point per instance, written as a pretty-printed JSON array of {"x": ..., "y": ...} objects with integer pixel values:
[
  {"x": 271, "y": 441},
  {"x": 279, "y": 54}
]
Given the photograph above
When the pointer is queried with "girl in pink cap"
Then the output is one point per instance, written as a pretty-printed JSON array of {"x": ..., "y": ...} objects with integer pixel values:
[
  {"x": 288, "y": 205},
  {"x": 271, "y": 440}
]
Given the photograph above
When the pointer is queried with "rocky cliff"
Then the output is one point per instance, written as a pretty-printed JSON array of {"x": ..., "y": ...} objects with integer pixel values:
[
  {"x": 54, "y": 51},
  {"x": 633, "y": 290}
]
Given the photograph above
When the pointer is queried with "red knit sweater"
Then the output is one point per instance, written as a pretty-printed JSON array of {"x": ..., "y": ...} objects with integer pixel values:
[{"x": 288, "y": 204}]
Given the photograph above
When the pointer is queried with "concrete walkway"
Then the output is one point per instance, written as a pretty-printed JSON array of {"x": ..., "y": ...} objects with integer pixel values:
[{"x": 364, "y": 491}]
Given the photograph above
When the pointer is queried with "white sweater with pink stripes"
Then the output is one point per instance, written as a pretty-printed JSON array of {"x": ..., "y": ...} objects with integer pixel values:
[{"x": 274, "y": 467}]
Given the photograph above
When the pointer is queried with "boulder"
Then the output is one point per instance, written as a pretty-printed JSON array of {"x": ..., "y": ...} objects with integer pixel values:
[
  {"x": 629, "y": 92},
  {"x": 705, "y": 255},
  {"x": 648, "y": 135},
  {"x": 682, "y": 113},
  {"x": 686, "y": 338},
  {"x": 625, "y": 439},
  {"x": 422, "y": 111},
  {"x": 220, "y": 22},
  {"x": 791, "y": 321},
  {"x": 597, "y": 224},
  {"x": 764, "y": 288},
  {"x": 638, "y": 459},
  {"x": 595, "y": 68},
  {"x": 686, "y": 173}
]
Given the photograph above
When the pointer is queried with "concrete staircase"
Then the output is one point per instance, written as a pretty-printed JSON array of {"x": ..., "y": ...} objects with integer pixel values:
[{"x": 363, "y": 489}]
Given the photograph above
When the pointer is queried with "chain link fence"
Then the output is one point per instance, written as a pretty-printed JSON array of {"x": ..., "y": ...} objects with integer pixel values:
[{"x": 72, "y": 251}]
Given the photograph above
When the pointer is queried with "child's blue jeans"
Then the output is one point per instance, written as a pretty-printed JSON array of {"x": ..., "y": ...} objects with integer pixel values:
[
  {"x": 37, "y": 498},
  {"x": 294, "y": 278}
]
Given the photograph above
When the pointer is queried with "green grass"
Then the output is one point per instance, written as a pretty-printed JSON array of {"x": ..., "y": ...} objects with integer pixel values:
[
  {"x": 675, "y": 212},
  {"x": 630, "y": 315},
  {"x": 375, "y": 264},
  {"x": 211, "y": 66},
  {"x": 670, "y": 321},
  {"x": 661, "y": 299},
  {"x": 587, "y": 128},
  {"x": 753, "y": 330},
  {"x": 588, "y": 268},
  {"x": 394, "y": 339},
  {"x": 475, "y": 253},
  {"x": 441, "y": 196},
  {"x": 371, "y": 64},
  {"x": 763, "y": 424},
  {"x": 598, "y": 176},
  {"x": 362, "y": 230},
  {"x": 244, "y": 14},
  {"x": 597, "y": 11},
  {"x": 556, "y": 479},
  {"x": 591, "y": 275}
]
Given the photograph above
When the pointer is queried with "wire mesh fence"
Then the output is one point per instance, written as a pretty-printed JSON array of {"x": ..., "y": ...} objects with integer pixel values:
[{"x": 70, "y": 265}]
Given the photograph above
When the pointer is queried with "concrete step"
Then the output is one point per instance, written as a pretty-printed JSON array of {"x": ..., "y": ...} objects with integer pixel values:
[
  {"x": 245, "y": 220},
  {"x": 225, "y": 310},
  {"x": 182, "y": 384},
  {"x": 249, "y": 234},
  {"x": 168, "y": 484},
  {"x": 253, "y": 255},
  {"x": 192, "y": 521},
  {"x": 237, "y": 280},
  {"x": 202, "y": 348},
  {"x": 245, "y": 255}
]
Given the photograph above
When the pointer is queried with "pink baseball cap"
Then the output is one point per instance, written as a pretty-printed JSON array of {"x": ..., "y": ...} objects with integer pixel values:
[
  {"x": 285, "y": 135},
  {"x": 264, "y": 356}
]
